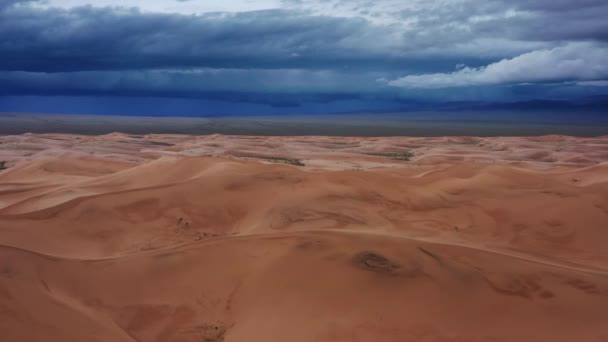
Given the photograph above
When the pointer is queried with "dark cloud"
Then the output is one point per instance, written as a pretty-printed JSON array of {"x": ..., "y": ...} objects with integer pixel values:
[
  {"x": 195, "y": 82},
  {"x": 470, "y": 31},
  {"x": 90, "y": 38},
  {"x": 309, "y": 51},
  {"x": 8, "y": 3}
]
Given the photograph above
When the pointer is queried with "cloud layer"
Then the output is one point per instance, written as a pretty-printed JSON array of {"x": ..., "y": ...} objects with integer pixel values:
[
  {"x": 316, "y": 50},
  {"x": 574, "y": 62}
]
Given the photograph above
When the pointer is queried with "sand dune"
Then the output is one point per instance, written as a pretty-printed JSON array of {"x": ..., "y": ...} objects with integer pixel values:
[{"x": 220, "y": 238}]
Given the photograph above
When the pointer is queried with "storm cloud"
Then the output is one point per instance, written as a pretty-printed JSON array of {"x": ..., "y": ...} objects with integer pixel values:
[{"x": 387, "y": 50}]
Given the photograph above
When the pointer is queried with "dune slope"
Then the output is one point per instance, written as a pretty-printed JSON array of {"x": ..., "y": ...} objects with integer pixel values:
[{"x": 167, "y": 241}]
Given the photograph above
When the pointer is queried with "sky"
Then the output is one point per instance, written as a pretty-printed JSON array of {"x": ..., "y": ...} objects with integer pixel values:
[{"x": 297, "y": 56}]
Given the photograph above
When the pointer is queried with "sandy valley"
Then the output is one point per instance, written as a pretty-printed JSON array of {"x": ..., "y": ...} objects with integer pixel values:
[{"x": 241, "y": 238}]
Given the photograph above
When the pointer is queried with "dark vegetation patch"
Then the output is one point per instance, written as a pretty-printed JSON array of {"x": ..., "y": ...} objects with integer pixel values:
[
  {"x": 3, "y": 165},
  {"x": 274, "y": 159},
  {"x": 286, "y": 160},
  {"x": 336, "y": 145},
  {"x": 57, "y": 139},
  {"x": 159, "y": 143},
  {"x": 401, "y": 156},
  {"x": 212, "y": 332},
  {"x": 185, "y": 231},
  {"x": 149, "y": 143},
  {"x": 376, "y": 263}
]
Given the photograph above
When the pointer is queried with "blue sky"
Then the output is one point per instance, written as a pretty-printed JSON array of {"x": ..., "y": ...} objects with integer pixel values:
[{"x": 287, "y": 56}]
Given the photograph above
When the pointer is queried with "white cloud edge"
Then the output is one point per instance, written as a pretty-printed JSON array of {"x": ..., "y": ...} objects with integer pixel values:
[{"x": 574, "y": 62}]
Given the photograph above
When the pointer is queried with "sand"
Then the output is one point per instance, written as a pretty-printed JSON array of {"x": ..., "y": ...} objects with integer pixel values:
[{"x": 240, "y": 238}]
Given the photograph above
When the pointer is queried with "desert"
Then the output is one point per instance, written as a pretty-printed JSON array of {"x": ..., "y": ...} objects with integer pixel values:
[
  {"x": 124, "y": 237},
  {"x": 303, "y": 171}
]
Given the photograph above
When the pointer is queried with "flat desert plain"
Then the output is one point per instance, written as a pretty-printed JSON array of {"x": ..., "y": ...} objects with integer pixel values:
[{"x": 241, "y": 238}]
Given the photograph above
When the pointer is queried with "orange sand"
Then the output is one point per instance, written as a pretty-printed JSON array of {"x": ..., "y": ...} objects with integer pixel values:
[{"x": 215, "y": 238}]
